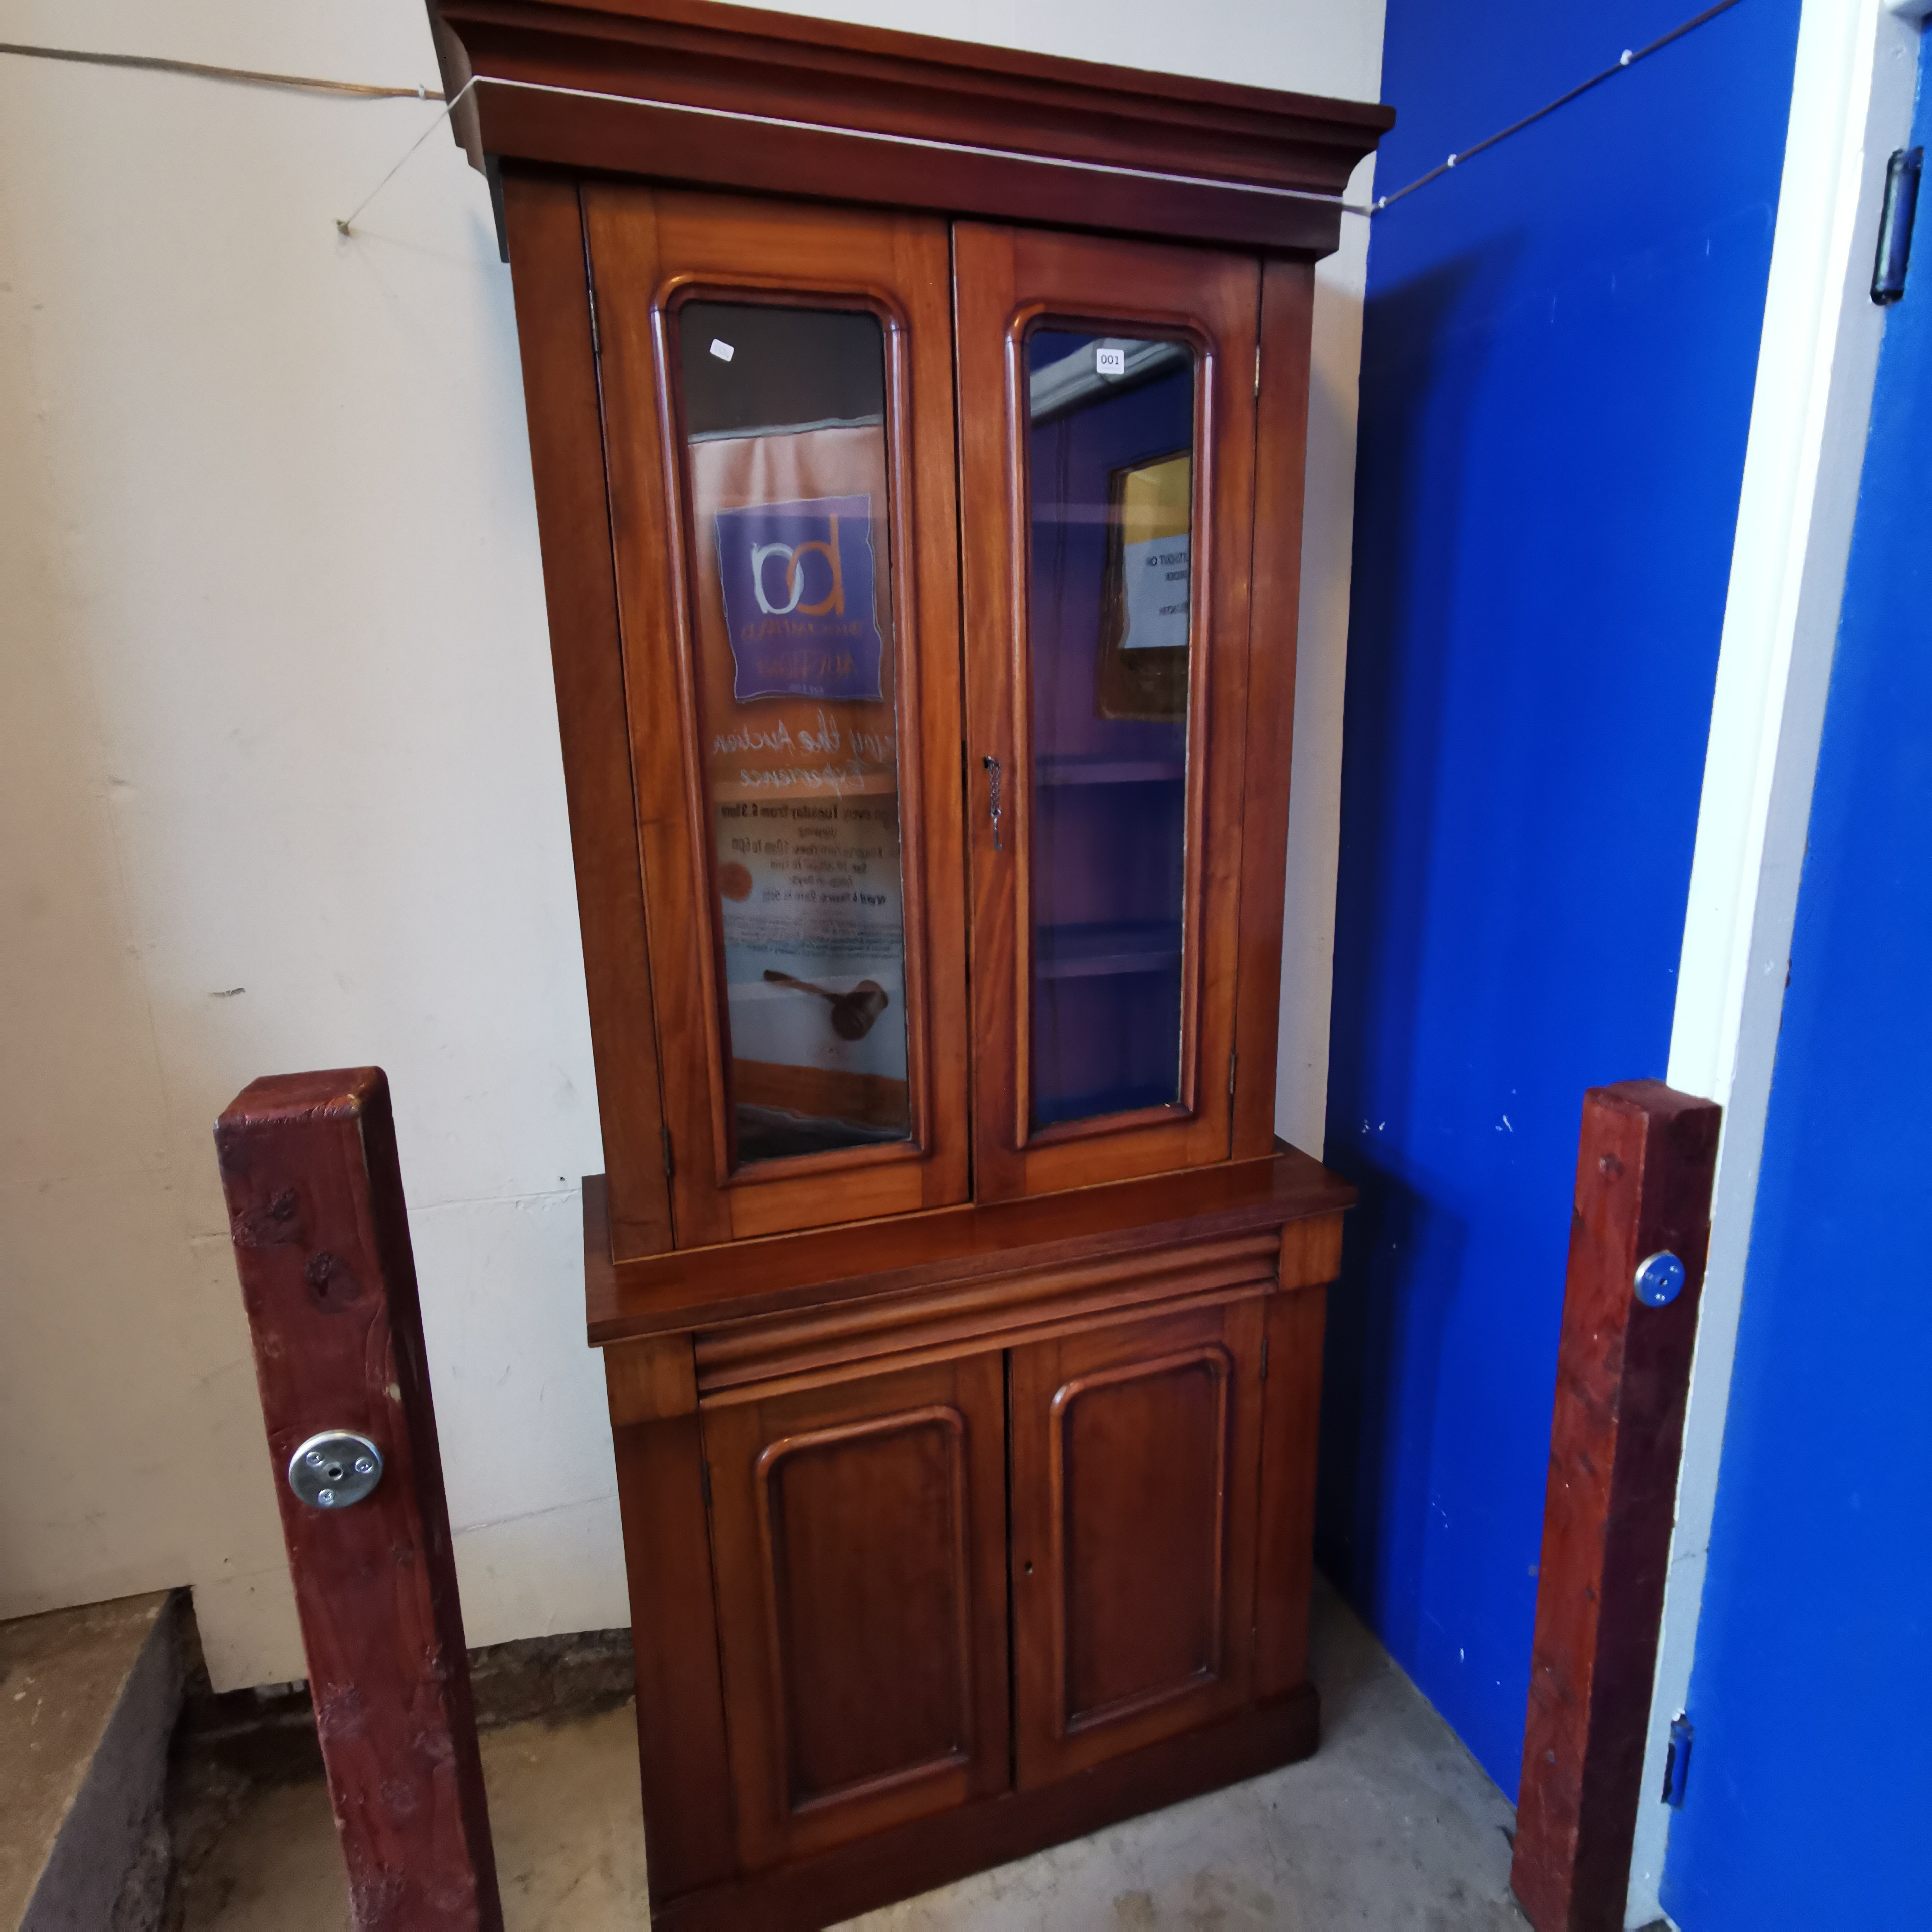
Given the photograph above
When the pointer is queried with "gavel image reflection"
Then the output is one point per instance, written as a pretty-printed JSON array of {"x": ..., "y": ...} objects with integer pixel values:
[{"x": 853, "y": 1013}]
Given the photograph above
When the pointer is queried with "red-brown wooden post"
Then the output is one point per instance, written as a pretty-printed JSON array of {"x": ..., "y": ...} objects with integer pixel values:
[
  {"x": 321, "y": 1243},
  {"x": 1644, "y": 1169}
]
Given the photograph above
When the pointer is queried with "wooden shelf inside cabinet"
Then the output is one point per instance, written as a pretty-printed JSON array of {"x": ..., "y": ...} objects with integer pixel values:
[
  {"x": 1104, "y": 771},
  {"x": 1094, "y": 951}
]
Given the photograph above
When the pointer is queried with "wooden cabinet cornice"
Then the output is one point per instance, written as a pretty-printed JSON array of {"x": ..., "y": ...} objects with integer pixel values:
[
  {"x": 918, "y": 433},
  {"x": 737, "y": 97}
]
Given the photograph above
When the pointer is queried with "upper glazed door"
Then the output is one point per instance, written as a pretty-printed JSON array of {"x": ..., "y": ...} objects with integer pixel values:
[
  {"x": 1107, "y": 405},
  {"x": 777, "y": 414}
]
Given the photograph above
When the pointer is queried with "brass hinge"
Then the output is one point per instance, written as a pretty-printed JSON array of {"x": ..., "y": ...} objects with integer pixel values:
[
  {"x": 670, "y": 1165},
  {"x": 1258, "y": 369}
]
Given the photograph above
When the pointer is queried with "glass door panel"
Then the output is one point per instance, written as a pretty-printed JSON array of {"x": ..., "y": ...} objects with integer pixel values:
[
  {"x": 1110, "y": 510},
  {"x": 786, "y": 472},
  {"x": 1107, "y": 441},
  {"x": 775, "y": 386}
]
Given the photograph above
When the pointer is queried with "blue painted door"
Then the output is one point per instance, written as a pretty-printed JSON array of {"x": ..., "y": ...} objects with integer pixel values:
[{"x": 1809, "y": 1802}]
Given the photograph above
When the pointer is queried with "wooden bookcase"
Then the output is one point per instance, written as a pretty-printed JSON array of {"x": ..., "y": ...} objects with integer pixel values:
[{"x": 918, "y": 433}]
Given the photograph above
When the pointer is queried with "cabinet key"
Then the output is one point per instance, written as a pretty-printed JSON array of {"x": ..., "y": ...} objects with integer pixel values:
[{"x": 992, "y": 766}]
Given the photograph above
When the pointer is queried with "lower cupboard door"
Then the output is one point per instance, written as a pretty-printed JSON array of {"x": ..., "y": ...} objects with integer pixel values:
[
  {"x": 1136, "y": 1453},
  {"x": 860, "y": 1533}
]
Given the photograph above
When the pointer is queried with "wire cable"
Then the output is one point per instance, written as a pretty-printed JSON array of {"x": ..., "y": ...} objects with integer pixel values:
[
  {"x": 249, "y": 77},
  {"x": 367, "y": 91},
  {"x": 342, "y": 225},
  {"x": 1629, "y": 59}
]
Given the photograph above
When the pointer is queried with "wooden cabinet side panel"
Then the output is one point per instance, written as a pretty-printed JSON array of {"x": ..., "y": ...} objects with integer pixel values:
[
  {"x": 1284, "y": 1565},
  {"x": 681, "y": 1736},
  {"x": 1281, "y": 461},
  {"x": 542, "y": 221}
]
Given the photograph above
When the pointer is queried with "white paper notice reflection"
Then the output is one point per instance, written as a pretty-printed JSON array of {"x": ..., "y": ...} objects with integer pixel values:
[
  {"x": 813, "y": 950},
  {"x": 1155, "y": 517}
]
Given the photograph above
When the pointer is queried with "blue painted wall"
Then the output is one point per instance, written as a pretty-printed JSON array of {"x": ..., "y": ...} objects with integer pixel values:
[
  {"x": 1810, "y": 1799},
  {"x": 1562, "y": 340}
]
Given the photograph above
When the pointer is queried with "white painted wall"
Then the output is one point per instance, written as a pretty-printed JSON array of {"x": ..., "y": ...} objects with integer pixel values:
[{"x": 276, "y": 715}]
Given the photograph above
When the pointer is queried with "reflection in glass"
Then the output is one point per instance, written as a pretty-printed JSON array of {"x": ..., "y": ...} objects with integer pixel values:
[
  {"x": 786, "y": 467},
  {"x": 1111, "y": 507}
]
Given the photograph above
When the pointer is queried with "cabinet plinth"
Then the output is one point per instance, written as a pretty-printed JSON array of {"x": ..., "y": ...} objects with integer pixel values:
[{"x": 918, "y": 434}]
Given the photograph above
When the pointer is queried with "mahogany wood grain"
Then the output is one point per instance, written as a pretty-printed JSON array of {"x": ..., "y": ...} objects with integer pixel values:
[
  {"x": 1291, "y": 1419},
  {"x": 314, "y": 1191},
  {"x": 649, "y": 250},
  {"x": 703, "y": 1288},
  {"x": 955, "y": 1319},
  {"x": 861, "y": 1539},
  {"x": 1281, "y": 462},
  {"x": 1135, "y": 1451},
  {"x": 553, "y": 301},
  {"x": 1646, "y": 1159},
  {"x": 650, "y": 1379},
  {"x": 683, "y": 1757},
  {"x": 907, "y": 1859},
  {"x": 871, "y": 115},
  {"x": 1004, "y": 280}
]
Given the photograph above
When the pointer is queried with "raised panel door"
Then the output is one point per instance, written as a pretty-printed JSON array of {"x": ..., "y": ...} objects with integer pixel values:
[
  {"x": 860, "y": 1539},
  {"x": 1135, "y": 1451}
]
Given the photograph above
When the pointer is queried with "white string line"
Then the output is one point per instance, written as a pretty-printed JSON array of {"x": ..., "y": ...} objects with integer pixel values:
[
  {"x": 154, "y": 64},
  {"x": 1629, "y": 59},
  {"x": 342, "y": 225}
]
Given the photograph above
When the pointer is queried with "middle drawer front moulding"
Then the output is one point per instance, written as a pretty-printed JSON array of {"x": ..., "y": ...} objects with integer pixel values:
[{"x": 741, "y": 1362}]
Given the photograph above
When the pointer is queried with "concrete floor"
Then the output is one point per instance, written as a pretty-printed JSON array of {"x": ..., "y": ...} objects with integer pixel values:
[{"x": 1391, "y": 1826}]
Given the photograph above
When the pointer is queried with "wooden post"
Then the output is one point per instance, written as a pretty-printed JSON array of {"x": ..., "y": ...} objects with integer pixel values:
[
  {"x": 1644, "y": 1169},
  {"x": 322, "y": 1243}
]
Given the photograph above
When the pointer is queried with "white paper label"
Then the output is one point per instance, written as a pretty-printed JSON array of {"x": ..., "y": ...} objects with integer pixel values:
[
  {"x": 1157, "y": 587},
  {"x": 722, "y": 350},
  {"x": 1109, "y": 361}
]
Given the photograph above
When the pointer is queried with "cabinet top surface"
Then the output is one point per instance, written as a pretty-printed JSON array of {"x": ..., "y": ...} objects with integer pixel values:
[{"x": 693, "y": 1288}]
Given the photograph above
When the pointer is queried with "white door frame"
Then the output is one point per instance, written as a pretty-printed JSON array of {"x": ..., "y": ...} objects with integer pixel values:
[{"x": 1851, "y": 106}]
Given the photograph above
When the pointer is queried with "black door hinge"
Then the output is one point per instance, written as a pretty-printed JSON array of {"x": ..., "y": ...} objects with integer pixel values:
[
  {"x": 1264, "y": 1342},
  {"x": 670, "y": 1165},
  {"x": 1677, "y": 1761},
  {"x": 704, "y": 1481},
  {"x": 596, "y": 347},
  {"x": 1894, "y": 225}
]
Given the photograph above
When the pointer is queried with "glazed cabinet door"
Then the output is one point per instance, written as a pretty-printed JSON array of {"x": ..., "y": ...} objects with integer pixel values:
[
  {"x": 859, "y": 1533},
  {"x": 1107, "y": 405},
  {"x": 777, "y": 398},
  {"x": 1135, "y": 1453}
]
